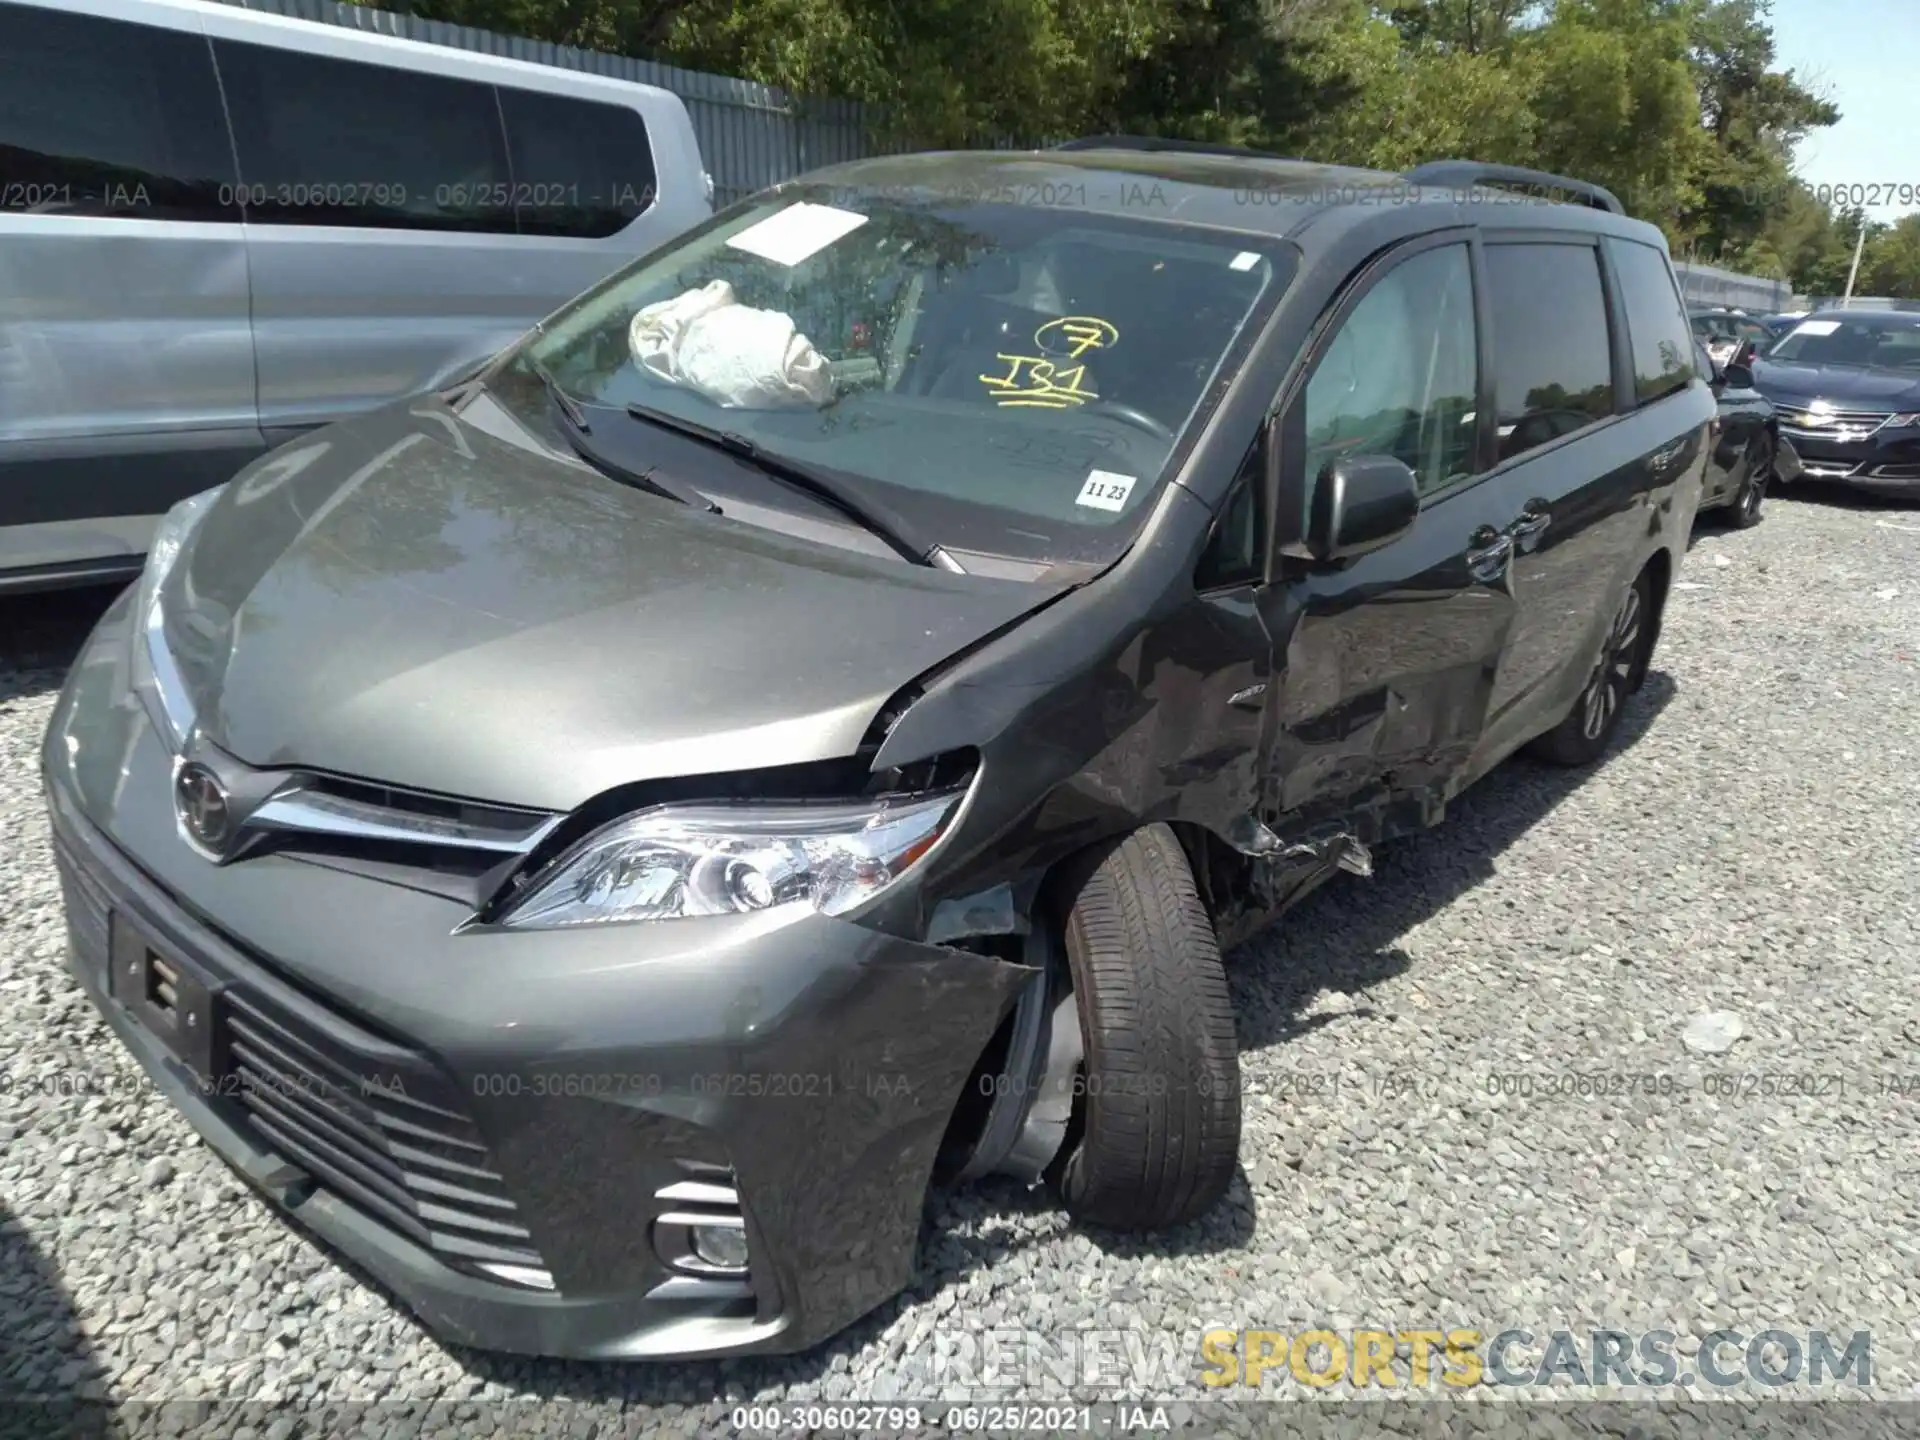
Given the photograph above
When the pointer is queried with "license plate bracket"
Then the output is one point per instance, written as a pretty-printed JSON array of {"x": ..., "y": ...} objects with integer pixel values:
[{"x": 171, "y": 997}]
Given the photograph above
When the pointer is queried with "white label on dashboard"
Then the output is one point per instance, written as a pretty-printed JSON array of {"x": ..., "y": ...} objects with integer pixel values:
[
  {"x": 1105, "y": 490},
  {"x": 797, "y": 232}
]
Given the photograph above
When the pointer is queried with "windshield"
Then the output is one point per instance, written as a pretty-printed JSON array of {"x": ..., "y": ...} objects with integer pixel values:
[
  {"x": 1013, "y": 378},
  {"x": 1882, "y": 343}
]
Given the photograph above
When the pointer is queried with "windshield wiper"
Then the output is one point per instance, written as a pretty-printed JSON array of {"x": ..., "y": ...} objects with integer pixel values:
[
  {"x": 576, "y": 430},
  {"x": 822, "y": 484},
  {"x": 565, "y": 403}
]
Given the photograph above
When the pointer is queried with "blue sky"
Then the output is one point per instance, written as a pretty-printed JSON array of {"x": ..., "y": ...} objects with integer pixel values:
[{"x": 1864, "y": 55}]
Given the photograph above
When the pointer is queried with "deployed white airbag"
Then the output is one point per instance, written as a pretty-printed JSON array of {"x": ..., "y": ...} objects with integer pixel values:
[{"x": 735, "y": 355}]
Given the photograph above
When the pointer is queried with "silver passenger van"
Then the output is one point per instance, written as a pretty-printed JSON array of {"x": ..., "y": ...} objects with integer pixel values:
[{"x": 219, "y": 228}]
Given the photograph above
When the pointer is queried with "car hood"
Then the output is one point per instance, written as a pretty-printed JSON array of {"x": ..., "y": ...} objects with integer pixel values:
[
  {"x": 1847, "y": 386},
  {"x": 415, "y": 600}
]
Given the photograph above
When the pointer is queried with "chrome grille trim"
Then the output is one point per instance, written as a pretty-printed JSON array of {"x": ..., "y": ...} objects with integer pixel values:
[
  {"x": 306, "y": 809},
  {"x": 1847, "y": 426},
  {"x": 699, "y": 1192}
]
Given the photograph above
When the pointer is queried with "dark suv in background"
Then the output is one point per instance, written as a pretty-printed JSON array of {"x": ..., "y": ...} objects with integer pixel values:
[
  {"x": 1846, "y": 384},
  {"x": 592, "y": 848}
]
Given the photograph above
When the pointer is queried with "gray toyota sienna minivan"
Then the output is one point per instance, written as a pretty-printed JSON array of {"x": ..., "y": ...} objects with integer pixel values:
[
  {"x": 219, "y": 228},
  {"x": 594, "y": 844}
]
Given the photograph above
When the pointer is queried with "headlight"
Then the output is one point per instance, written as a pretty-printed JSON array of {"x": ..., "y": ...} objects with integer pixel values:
[
  {"x": 679, "y": 861},
  {"x": 153, "y": 661},
  {"x": 1901, "y": 422}
]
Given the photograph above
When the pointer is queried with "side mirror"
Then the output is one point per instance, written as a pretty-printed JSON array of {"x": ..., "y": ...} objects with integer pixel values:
[
  {"x": 1738, "y": 375},
  {"x": 1360, "y": 502}
]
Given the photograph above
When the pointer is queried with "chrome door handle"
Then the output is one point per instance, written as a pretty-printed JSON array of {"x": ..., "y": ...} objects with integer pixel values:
[
  {"x": 1492, "y": 550},
  {"x": 1534, "y": 520}
]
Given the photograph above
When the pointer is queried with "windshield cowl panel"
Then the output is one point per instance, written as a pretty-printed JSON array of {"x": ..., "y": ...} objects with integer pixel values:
[{"x": 1009, "y": 379}]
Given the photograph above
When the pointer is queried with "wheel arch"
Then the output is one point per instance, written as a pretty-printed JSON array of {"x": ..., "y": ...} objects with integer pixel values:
[
  {"x": 1219, "y": 879},
  {"x": 1658, "y": 569}
]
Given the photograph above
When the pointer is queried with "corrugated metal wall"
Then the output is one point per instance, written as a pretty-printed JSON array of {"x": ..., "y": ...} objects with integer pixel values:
[
  {"x": 751, "y": 135},
  {"x": 1708, "y": 285}
]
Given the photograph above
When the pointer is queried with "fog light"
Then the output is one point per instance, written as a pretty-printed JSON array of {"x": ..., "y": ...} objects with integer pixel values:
[{"x": 722, "y": 1246}]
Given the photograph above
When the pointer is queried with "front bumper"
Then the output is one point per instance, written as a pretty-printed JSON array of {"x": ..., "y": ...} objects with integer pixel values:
[
  {"x": 586, "y": 1080},
  {"x": 1888, "y": 463}
]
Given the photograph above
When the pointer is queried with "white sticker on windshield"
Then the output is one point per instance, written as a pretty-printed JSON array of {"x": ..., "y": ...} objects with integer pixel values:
[
  {"x": 797, "y": 232},
  {"x": 1245, "y": 260},
  {"x": 1105, "y": 490},
  {"x": 1818, "y": 327}
]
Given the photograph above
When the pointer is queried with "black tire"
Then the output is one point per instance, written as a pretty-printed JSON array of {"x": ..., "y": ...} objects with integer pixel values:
[
  {"x": 1158, "y": 1130},
  {"x": 1744, "y": 513},
  {"x": 1584, "y": 735}
]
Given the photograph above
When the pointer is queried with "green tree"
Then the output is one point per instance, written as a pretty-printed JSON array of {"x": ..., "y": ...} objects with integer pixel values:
[
  {"x": 1679, "y": 106},
  {"x": 1753, "y": 116},
  {"x": 1615, "y": 102},
  {"x": 1891, "y": 262},
  {"x": 1475, "y": 26}
]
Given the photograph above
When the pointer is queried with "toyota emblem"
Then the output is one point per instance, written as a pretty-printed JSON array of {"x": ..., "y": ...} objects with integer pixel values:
[{"x": 200, "y": 800}]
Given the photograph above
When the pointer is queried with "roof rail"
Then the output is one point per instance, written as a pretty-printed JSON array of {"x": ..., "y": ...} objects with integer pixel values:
[
  {"x": 1472, "y": 172},
  {"x": 1158, "y": 142}
]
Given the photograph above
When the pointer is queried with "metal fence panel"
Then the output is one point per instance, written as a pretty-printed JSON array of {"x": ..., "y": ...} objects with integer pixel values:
[
  {"x": 751, "y": 135},
  {"x": 1708, "y": 285}
]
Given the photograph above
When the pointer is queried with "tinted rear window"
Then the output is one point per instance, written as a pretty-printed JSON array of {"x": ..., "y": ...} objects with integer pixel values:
[
  {"x": 1657, "y": 327},
  {"x": 1553, "y": 362},
  {"x": 580, "y": 167},
  {"x": 335, "y": 142},
  {"x": 105, "y": 118}
]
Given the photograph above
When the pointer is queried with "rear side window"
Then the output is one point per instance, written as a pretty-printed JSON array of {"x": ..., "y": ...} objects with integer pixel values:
[
  {"x": 335, "y": 142},
  {"x": 106, "y": 118},
  {"x": 580, "y": 167},
  {"x": 1552, "y": 359},
  {"x": 1662, "y": 341}
]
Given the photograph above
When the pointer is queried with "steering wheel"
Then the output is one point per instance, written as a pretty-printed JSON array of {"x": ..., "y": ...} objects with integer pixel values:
[{"x": 1139, "y": 419}]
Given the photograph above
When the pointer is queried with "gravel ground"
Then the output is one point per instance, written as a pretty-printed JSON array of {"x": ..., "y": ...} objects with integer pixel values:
[{"x": 1752, "y": 846}]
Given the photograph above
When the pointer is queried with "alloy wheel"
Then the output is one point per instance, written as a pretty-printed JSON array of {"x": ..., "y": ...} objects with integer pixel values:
[{"x": 1607, "y": 690}]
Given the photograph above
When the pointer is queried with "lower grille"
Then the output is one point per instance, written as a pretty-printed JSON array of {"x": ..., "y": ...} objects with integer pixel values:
[
  {"x": 377, "y": 1124},
  {"x": 389, "y": 1137},
  {"x": 86, "y": 909}
]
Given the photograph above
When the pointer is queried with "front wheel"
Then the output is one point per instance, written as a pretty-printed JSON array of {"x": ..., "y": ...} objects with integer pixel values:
[
  {"x": 1156, "y": 1135},
  {"x": 1583, "y": 735}
]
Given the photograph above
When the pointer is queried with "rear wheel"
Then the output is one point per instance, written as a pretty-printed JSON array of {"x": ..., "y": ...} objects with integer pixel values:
[
  {"x": 1156, "y": 1135},
  {"x": 1583, "y": 735},
  {"x": 1745, "y": 513}
]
